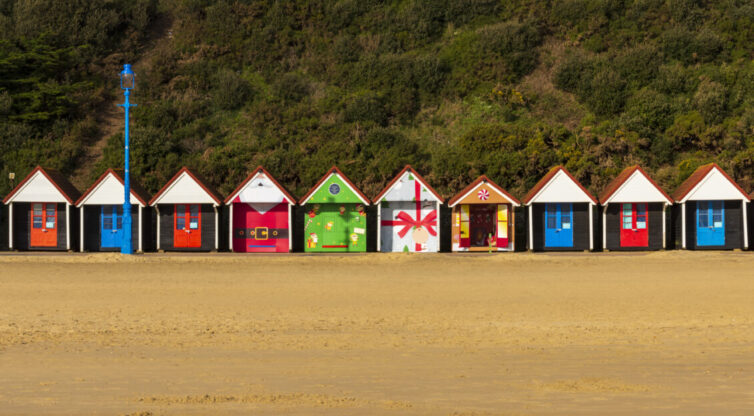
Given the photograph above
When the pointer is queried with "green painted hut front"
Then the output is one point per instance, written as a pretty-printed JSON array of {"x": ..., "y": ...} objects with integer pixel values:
[{"x": 335, "y": 215}]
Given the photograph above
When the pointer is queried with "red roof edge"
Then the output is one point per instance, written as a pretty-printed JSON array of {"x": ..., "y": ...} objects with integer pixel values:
[
  {"x": 136, "y": 191},
  {"x": 697, "y": 176},
  {"x": 476, "y": 182},
  {"x": 260, "y": 169},
  {"x": 333, "y": 169},
  {"x": 622, "y": 177},
  {"x": 212, "y": 193},
  {"x": 69, "y": 192},
  {"x": 398, "y": 176},
  {"x": 548, "y": 177}
]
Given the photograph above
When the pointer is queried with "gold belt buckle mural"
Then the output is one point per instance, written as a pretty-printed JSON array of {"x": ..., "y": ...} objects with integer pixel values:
[{"x": 261, "y": 233}]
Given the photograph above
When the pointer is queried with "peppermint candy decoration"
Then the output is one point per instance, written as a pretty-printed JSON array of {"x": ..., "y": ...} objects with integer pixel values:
[{"x": 483, "y": 194}]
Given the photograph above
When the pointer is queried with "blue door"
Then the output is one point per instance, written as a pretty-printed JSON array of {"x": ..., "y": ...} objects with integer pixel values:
[
  {"x": 710, "y": 223},
  {"x": 111, "y": 226},
  {"x": 558, "y": 225}
]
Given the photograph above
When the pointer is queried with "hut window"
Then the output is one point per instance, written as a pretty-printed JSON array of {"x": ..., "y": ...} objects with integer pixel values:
[
  {"x": 50, "y": 223},
  {"x": 717, "y": 214},
  {"x": 37, "y": 215},
  {"x": 627, "y": 217},
  {"x": 703, "y": 214},
  {"x": 194, "y": 214},
  {"x": 180, "y": 217},
  {"x": 641, "y": 216},
  {"x": 552, "y": 216},
  {"x": 565, "y": 218}
]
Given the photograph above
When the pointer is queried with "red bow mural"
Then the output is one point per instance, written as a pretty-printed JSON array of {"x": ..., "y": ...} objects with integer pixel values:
[{"x": 405, "y": 220}]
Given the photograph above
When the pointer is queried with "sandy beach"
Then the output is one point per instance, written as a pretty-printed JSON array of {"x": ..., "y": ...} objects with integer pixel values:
[{"x": 663, "y": 333}]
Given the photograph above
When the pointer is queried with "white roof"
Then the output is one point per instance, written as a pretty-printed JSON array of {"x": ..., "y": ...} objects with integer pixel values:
[
  {"x": 637, "y": 188},
  {"x": 184, "y": 190},
  {"x": 561, "y": 188},
  {"x": 38, "y": 189},
  {"x": 109, "y": 191},
  {"x": 714, "y": 187}
]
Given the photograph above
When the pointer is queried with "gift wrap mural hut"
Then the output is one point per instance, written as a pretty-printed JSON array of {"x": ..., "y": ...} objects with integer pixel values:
[
  {"x": 101, "y": 214},
  {"x": 335, "y": 215},
  {"x": 560, "y": 213},
  {"x": 408, "y": 212},
  {"x": 41, "y": 212},
  {"x": 634, "y": 212},
  {"x": 713, "y": 210},
  {"x": 188, "y": 218},
  {"x": 483, "y": 217},
  {"x": 260, "y": 215}
]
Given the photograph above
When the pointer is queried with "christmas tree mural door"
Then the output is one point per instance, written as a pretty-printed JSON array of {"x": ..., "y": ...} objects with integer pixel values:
[{"x": 335, "y": 218}]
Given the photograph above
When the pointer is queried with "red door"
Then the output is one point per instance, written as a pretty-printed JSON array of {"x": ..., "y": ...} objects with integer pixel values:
[
  {"x": 634, "y": 225},
  {"x": 44, "y": 225},
  {"x": 187, "y": 226}
]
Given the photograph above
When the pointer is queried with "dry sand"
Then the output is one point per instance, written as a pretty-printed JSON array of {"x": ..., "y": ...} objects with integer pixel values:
[{"x": 449, "y": 334}]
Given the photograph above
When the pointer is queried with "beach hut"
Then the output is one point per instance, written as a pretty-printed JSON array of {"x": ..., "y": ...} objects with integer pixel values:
[
  {"x": 41, "y": 212},
  {"x": 713, "y": 210},
  {"x": 408, "y": 212},
  {"x": 483, "y": 217},
  {"x": 101, "y": 214},
  {"x": 187, "y": 214},
  {"x": 634, "y": 213},
  {"x": 561, "y": 213},
  {"x": 260, "y": 215},
  {"x": 335, "y": 215}
]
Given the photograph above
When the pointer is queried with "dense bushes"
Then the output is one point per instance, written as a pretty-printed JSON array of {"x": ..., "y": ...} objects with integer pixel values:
[{"x": 457, "y": 88}]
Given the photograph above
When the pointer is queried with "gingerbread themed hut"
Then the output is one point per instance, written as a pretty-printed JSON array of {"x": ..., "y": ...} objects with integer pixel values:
[
  {"x": 408, "y": 212},
  {"x": 335, "y": 215},
  {"x": 260, "y": 215},
  {"x": 483, "y": 217}
]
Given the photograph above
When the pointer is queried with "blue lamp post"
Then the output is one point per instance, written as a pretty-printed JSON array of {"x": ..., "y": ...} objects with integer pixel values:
[{"x": 127, "y": 82}]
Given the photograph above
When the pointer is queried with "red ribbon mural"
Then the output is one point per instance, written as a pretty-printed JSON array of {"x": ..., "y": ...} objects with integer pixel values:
[{"x": 405, "y": 220}]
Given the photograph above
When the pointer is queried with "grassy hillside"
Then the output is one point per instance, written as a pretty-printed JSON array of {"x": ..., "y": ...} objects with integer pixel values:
[{"x": 455, "y": 88}]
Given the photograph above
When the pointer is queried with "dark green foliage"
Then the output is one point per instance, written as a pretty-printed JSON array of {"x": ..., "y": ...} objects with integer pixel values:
[{"x": 457, "y": 88}]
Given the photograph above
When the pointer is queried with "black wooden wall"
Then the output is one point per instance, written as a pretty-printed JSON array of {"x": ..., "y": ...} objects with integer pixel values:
[
  {"x": 22, "y": 227},
  {"x": 734, "y": 237},
  {"x": 93, "y": 230},
  {"x": 655, "y": 227},
  {"x": 580, "y": 227},
  {"x": 3, "y": 227},
  {"x": 207, "y": 227}
]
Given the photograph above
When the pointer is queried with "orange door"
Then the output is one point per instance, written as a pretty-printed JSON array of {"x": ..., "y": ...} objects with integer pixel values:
[
  {"x": 187, "y": 230},
  {"x": 44, "y": 225}
]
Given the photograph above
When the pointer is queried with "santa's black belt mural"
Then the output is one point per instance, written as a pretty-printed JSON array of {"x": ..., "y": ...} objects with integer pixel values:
[{"x": 261, "y": 233}]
